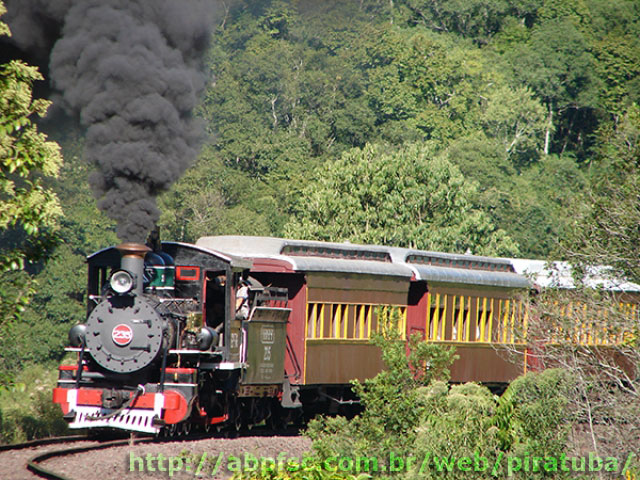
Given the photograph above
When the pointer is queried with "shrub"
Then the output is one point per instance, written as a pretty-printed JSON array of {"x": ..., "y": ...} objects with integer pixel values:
[
  {"x": 309, "y": 470},
  {"x": 26, "y": 409},
  {"x": 392, "y": 410},
  {"x": 534, "y": 415},
  {"x": 457, "y": 423}
]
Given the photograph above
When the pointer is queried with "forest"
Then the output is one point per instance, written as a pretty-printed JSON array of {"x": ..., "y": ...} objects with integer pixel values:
[{"x": 494, "y": 127}]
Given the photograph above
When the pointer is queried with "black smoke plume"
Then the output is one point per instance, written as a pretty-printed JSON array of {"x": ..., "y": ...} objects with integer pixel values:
[{"x": 131, "y": 70}]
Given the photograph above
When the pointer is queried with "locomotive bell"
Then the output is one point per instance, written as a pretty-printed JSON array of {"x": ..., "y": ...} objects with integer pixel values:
[{"x": 133, "y": 262}]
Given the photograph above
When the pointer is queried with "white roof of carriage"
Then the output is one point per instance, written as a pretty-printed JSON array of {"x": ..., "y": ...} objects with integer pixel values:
[{"x": 560, "y": 275}]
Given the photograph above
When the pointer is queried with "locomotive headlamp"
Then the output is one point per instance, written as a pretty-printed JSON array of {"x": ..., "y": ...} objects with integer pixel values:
[
  {"x": 77, "y": 335},
  {"x": 121, "y": 281}
]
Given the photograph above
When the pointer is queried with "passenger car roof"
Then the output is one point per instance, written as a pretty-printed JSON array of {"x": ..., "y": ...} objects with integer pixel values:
[{"x": 309, "y": 256}]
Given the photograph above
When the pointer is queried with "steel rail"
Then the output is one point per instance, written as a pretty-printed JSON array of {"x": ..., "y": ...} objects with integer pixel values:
[
  {"x": 42, "y": 442},
  {"x": 33, "y": 464}
]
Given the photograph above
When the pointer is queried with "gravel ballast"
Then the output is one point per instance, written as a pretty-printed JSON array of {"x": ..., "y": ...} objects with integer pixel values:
[{"x": 210, "y": 458}]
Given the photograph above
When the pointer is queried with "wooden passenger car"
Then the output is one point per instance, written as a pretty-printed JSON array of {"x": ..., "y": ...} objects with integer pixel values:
[{"x": 335, "y": 290}]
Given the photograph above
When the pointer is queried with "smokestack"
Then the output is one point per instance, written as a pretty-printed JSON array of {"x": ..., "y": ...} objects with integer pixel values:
[
  {"x": 133, "y": 262},
  {"x": 131, "y": 70}
]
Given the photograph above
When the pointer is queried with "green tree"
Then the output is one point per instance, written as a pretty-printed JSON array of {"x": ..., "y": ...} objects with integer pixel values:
[
  {"x": 60, "y": 298},
  {"x": 287, "y": 94},
  {"x": 615, "y": 38},
  {"x": 286, "y": 89},
  {"x": 608, "y": 212},
  {"x": 477, "y": 19},
  {"x": 424, "y": 86},
  {"x": 517, "y": 120},
  {"x": 535, "y": 415},
  {"x": 405, "y": 197},
  {"x": 535, "y": 209},
  {"x": 214, "y": 199},
  {"x": 554, "y": 57},
  {"x": 60, "y": 284},
  {"x": 29, "y": 212},
  {"x": 457, "y": 422},
  {"x": 618, "y": 66},
  {"x": 528, "y": 202}
]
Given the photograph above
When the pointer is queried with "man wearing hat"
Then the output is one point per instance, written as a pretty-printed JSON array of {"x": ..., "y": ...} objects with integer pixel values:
[{"x": 242, "y": 300}]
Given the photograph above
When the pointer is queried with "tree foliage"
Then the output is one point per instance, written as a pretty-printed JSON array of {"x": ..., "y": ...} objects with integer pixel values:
[
  {"x": 59, "y": 298},
  {"x": 220, "y": 200},
  {"x": 29, "y": 211},
  {"x": 448, "y": 125},
  {"x": 407, "y": 197},
  {"x": 608, "y": 212}
]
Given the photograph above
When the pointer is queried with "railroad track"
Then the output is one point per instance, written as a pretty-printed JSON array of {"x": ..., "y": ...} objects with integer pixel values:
[
  {"x": 42, "y": 442},
  {"x": 34, "y": 463}
]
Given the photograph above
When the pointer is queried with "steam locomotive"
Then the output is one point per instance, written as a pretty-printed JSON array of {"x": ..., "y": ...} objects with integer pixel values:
[{"x": 164, "y": 346}]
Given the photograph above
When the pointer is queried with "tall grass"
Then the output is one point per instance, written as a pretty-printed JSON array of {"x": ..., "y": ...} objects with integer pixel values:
[{"x": 26, "y": 408}]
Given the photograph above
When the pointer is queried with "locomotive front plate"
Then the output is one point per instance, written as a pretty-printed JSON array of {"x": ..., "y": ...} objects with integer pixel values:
[{"x": 124, "y": 334}]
